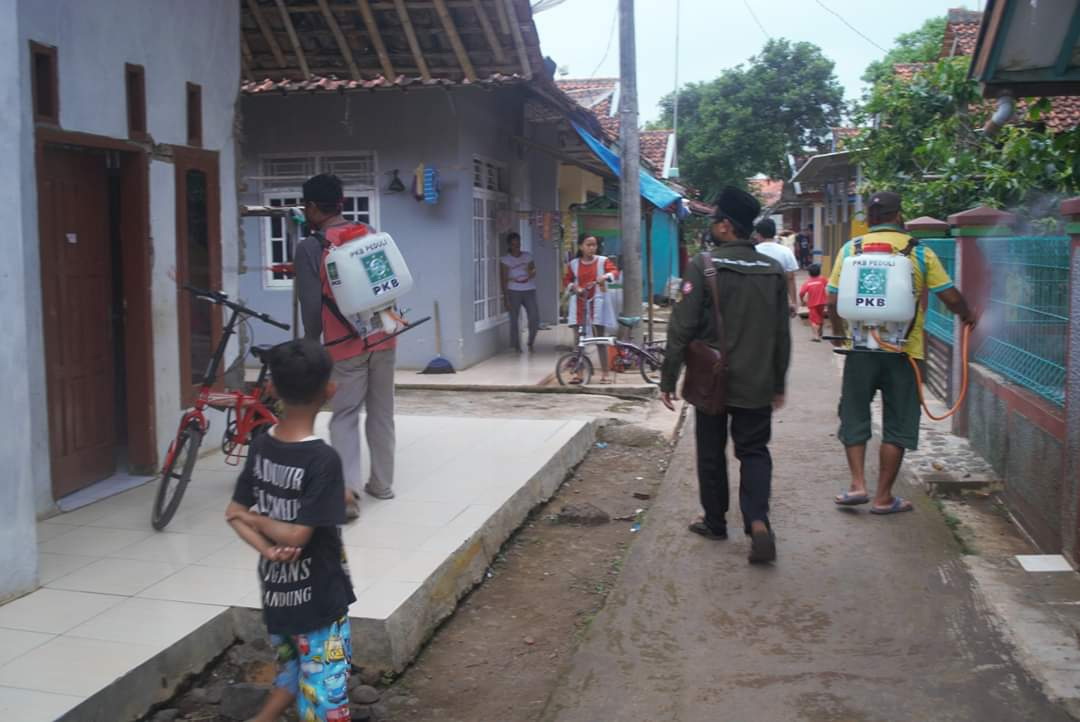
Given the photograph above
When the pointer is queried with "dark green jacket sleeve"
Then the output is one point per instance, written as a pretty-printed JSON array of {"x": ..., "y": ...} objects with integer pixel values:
[
  {"x": 684, "y": 325},
  {"x": 783, "y": 339}
]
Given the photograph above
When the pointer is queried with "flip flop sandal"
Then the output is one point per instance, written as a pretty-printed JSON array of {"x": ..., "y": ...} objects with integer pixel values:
[
  {"x": 898, "y": 505},
  {"x": 848, "y": 498}
]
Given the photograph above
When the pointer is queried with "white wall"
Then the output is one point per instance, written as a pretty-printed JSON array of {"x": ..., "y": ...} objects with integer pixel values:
[
  {"x": 176, "y": 42},
  {"x": 18, "y": 543}
]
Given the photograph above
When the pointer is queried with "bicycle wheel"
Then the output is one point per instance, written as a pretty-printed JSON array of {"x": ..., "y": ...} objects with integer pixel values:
[
  {"x": 573, "y": 369},
  {"x": 650, "y": 370},
  {"x": 176, "y": 475}
]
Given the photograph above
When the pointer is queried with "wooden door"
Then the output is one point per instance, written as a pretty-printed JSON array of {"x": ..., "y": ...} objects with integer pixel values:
[
  {"x": 76, "y": 294},
  {"x": 198, "y": 262}
]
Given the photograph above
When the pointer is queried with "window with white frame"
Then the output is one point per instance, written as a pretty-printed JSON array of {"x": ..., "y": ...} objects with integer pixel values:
[
  {"x": 281, "y": 181},
  {"x": 489, "y": 175},
  {"x": 488, "y": 307},
  {"x": 489, "y": 201},
  {"x": 276, "y": 248}
]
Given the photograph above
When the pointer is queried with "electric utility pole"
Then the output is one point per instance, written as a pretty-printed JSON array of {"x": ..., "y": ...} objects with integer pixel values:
[{"x": 629, "y": 181}]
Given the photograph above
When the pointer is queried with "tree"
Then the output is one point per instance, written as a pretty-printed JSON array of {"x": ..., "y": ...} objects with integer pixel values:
[
  {"x": 747, "y": 120},
  {"x": 922, "y": 45},
  {"x": 926, "y": 142}
]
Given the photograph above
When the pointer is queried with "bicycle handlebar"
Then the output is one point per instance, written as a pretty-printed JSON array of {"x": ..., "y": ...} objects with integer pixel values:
[{"x": 221, "y": 298}]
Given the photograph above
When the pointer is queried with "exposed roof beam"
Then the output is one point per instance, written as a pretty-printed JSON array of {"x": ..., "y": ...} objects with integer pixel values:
[
  {"x": 504, "y": 22},
  {"x": 328, "y": 70},
  {"x": 387, "y": 5},
  {"x": 376, "y": 39},
  {"x": 489, "y": 32},
  {"x": 298, "y": 49},
  {"x": 343, "y": 44},
  {"x": 455, "y": 39},
  {"x": 519, "y": 41},
  {"x": 267, "y": 33},
  {"x": 247, "y": 58},
  {"x": 410, "y": 35}
]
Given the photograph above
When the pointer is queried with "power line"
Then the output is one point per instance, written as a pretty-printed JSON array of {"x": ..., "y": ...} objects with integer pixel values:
[
  {"x": 610, "y": 39},
  {"x": 853, "y": 28},
  {"x": 756, "y": 20}
]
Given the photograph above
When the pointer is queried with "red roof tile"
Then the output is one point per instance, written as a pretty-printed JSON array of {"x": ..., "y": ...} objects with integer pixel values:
[
  {"x": 654, "y": 145},
  {"x": 907, "y": 71},
  {"x": 961, "y": 32},
  {"x": 580, "y": 85},
  {"x": 961, "y": 36},
  {"x": 320, "y": 83},
  {"x": 768, "y": 190}
]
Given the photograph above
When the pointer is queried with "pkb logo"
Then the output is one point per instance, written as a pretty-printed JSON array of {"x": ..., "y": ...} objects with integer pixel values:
[
  {"x": 872, "y": 287},
  {"x": 380, "y": 273}
]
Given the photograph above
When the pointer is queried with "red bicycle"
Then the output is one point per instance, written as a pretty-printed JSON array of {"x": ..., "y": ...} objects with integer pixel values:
[{"x": 248, "y": 413}]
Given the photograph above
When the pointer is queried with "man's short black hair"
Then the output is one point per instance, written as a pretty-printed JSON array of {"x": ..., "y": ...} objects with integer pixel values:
[
  {"x": 325, "y": 191},
  {"x": 300, "y": 370},
  {"x": 766, "y": 228},
  {"x": 815, "y": 270},
  {"x": 512, "y": 235}
]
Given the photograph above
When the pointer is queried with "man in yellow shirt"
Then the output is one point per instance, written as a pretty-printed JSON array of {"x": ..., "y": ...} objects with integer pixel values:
[{"x": 867, "y": 372}]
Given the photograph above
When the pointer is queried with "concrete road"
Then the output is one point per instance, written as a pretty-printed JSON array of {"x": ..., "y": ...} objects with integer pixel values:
[{"x": 861, "y": 618}]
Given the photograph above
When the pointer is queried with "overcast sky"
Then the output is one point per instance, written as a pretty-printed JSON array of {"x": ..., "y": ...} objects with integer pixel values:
[{"x": 719, "y": 34}]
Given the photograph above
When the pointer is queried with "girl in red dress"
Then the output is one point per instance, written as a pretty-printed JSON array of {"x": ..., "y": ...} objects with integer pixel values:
[{"x": 587, "y": 277}]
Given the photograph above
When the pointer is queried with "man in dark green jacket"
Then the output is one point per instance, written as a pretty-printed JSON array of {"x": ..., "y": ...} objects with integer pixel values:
[{"x": 754, "y": 310}]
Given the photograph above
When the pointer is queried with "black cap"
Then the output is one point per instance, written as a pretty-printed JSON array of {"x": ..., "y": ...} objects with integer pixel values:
[
  {"x": 323, "y": 188},
  {"x": 884, "y": 203},
  {"x": 737, "y": 206}
]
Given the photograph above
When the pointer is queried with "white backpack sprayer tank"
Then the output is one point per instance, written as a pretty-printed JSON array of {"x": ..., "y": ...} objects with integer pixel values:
[
  {"x": 367, "y": 276},
  {"x": 877, "y": 297}
]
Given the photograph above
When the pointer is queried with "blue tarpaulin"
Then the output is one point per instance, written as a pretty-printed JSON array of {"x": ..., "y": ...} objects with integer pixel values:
[{"x": 652, "y": 190}]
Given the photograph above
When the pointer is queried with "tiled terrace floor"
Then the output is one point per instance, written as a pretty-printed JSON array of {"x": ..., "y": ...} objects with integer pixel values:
[{"x": 116, "y": 593}]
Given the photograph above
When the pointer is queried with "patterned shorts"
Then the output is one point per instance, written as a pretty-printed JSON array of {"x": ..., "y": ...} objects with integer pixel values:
[{"x": 315, "y": 668}]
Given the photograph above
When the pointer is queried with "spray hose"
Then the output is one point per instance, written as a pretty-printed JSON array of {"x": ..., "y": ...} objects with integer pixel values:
[{"x": 965, "y": 337}]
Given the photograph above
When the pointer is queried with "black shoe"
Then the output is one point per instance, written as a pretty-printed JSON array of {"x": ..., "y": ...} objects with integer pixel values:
[
  {"x": 700, "y": 527},
  {"x": 762, "y": 547}
]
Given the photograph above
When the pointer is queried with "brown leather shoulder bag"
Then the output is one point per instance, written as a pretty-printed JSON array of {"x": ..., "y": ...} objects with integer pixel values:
[{"x": 705, "y": 387}]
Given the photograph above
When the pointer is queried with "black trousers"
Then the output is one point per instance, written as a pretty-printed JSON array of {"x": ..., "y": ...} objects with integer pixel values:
[{"x": 751, "y": 430}]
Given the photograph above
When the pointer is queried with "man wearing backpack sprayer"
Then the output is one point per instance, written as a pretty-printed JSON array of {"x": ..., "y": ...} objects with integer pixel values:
[
  {"x": 363, "y": 366},
  {"x": 866, "y": 373}
]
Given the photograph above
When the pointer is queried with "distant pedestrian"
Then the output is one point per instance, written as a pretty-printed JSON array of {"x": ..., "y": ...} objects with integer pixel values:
[
  {"x": 517, "y": 271},
  {"x": 586, "y": 279},
  {"x": 804, "y": 243},
  {"x": 815, "y": 295},
  {"x": 868, "y": 372},
  {"x": 287, "y": 506},
  {"x": 753, "y": 309},
  {"x": 765, "y": 236}
]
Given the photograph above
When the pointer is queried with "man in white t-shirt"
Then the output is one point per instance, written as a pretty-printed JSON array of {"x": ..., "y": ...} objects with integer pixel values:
[
  {"x": 518, "y": 275},
  {"x": 765, "y": 236}
]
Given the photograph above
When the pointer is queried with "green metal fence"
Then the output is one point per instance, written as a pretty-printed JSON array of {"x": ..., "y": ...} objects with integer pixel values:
[
  {"x": 939, "y": 319},
  {"x": 1028, "y": 315}
]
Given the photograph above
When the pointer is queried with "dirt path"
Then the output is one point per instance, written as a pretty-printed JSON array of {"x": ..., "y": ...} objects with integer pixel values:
[
  {"x": 499, "y": 657},
  {"x": 862, "y": 618}
]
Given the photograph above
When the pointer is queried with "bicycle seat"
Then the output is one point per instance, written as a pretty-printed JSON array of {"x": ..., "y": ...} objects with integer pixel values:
[
  {"x": 630, "y": 321},
  {"x": 261, "y": 353}
]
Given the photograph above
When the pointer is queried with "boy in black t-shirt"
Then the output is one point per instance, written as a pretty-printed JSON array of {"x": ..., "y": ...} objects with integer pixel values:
[{"x": 287, "y": 505}]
